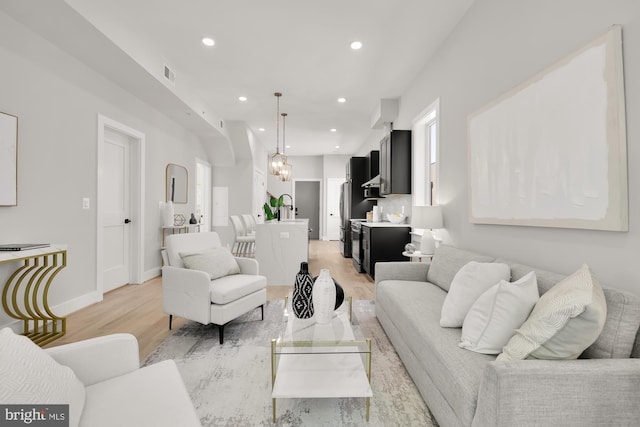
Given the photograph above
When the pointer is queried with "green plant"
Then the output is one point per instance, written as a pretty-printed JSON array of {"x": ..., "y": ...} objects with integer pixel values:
[{"x": 271, "y": 208}]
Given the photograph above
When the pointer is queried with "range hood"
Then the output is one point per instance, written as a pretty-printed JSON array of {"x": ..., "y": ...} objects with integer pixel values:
[{"x": 374, "y": 182}]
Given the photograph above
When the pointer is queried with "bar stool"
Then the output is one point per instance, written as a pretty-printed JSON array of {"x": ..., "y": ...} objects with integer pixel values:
[{"x": 244, "y": 244}]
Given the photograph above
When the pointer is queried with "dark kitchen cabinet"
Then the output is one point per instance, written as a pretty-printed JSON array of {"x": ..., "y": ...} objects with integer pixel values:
[
  {"x": 382, "y": 244},
  {"x": 395, "y": 163}
]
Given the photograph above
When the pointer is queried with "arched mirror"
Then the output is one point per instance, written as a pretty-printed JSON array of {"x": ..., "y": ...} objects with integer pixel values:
[{"x": 177, "y": 183}]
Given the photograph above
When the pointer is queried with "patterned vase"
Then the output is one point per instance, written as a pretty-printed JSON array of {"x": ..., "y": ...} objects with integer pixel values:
[
  {"x": 324, "y": 297},
  {"x": 302, "y": 300}
]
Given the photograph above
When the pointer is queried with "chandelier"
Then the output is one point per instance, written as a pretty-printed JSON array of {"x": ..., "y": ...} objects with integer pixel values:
[
  {"x": 285, "y": 169},
  {"x": 277, "y": 159}
]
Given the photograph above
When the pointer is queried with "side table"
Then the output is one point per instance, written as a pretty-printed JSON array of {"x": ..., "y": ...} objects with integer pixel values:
[{"x": 417, "y": 255}]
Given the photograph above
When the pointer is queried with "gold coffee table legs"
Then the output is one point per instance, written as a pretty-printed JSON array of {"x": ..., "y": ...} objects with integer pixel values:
[{"x": 25, "y": 297}]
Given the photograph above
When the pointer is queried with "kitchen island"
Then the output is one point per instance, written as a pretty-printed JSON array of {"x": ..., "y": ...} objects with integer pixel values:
[{"x": 280, "y": 248}]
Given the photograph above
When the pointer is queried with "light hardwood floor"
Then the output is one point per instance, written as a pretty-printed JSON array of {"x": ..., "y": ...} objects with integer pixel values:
[{"x": 137, "y": 309}]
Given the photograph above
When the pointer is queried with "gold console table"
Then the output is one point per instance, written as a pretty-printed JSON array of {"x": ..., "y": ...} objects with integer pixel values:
[{"x": 25, "y": 294}]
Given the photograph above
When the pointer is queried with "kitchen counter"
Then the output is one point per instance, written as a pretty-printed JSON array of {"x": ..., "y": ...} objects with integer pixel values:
[
  {"x": 384, "y": 224},
  {"x": 280, "y": 248}
]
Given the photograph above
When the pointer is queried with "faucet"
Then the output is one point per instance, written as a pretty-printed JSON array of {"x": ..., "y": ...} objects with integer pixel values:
[
  {"x": 290, "y": 198},
  {"x": 287, "y": 206}
]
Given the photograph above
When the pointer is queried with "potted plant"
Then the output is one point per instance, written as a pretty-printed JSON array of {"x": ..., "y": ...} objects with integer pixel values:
[{"x": 272, "y": 208}]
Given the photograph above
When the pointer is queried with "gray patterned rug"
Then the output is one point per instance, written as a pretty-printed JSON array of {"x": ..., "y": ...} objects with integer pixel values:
[{"x": 230, "y": 384}]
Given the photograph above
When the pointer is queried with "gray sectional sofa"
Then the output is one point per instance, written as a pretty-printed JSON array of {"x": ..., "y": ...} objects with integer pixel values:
[{"x": 463, "y": 388}]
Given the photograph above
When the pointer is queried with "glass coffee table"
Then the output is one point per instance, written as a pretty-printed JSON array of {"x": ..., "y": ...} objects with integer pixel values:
[{"x": 311, "y": 360}]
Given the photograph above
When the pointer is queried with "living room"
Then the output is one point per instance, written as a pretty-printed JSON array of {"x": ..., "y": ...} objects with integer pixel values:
[{"x": 494, "y": 47}]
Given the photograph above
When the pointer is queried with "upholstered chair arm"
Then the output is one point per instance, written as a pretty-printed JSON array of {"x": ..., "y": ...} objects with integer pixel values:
[
  {"x": 398, "y": 270},
  {"x": 584, "y": 392},
  {"x": 247, "y": 265},
  {"x": 99, "y": 359},
  {"x": 186, "y": 293}
]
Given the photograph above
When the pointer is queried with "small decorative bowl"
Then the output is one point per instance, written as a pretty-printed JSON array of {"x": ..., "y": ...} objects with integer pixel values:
[{"x": 397, "y": 218}]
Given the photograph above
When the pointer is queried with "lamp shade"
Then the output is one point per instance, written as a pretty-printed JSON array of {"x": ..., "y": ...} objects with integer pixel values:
[{"x": 427, "y": 217}]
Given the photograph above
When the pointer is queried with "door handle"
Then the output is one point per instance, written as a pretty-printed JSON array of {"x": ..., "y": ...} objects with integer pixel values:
[{"x": 127, "y": 221}]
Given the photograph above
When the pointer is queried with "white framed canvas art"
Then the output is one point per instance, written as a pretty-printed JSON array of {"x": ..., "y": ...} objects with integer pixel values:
[
  {"x": 552, "y": 151},
  {"x": 8, "y": 160}
]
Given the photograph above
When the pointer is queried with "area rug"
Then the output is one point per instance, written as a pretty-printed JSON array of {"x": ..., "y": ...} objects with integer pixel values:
[{"x": 230, "y": 384}]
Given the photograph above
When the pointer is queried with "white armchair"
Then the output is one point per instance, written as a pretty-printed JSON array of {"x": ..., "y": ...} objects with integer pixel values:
[
  {"x": 193, "y": 295},
  {"x": 104, "y": 386}
]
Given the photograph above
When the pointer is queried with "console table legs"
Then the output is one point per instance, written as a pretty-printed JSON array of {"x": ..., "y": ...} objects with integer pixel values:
[{"x": 25, "y": 297}]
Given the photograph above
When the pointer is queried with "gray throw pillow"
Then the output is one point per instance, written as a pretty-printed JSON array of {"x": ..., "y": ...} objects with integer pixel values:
[{"x": 217, "y": 262}]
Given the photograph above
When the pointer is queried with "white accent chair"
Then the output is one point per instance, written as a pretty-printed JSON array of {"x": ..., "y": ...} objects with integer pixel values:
[
  {"x": 120, "y": 393},
  {"x": 193, "y": 295}
]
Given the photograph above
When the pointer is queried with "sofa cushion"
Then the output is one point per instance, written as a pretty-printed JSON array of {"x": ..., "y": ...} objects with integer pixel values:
[
  {"x": 31, "y": 376},
  {"x": 414, "y": 309},
  {"x": 566, "y": 320},
  {"x": 118, "y": 402},
  {"x": 497, "y": 313},
  {"x": 230, "y": 288},
  {"x": 546, "y": 279},
  {"x": 620, "y": 329},
  {"x": 217, "y": 262},
  {"x": 447, "y": 261},
  {"x": 467, "y": 285}
]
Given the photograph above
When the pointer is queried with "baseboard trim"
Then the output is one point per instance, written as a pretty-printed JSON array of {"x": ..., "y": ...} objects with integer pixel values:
[
  {"x": 151, "y": 274},
  {"x": 62, "y": 309}
]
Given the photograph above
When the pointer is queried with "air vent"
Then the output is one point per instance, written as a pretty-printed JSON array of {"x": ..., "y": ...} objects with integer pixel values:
[{"x": 169, "y": 74}]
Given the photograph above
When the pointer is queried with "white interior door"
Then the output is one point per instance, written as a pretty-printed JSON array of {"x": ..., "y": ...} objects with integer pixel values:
[
  {"x": 333, "y": 208},
  {"x": 116, "y": 210}
]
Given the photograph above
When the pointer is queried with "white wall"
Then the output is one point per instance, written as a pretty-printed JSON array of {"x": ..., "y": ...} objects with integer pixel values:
[
  {"x": 57, "y": 100},
  {"x": 496, "y": 46}
]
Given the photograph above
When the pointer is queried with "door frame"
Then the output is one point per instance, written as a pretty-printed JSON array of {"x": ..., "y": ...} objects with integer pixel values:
[
  {"x": 137, "y": 196},
  {"x": 321, "y": 195}
]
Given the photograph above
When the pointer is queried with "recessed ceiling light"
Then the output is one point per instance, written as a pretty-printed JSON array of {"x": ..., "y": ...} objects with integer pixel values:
[
  {"x": 208, "y": 41},
  {"x": 337, "y": 146},
  {"x": 356, "y": 45},
  {"x": 288, "y": 146},
  {"x": 242, "y": 98},
  {"x": 333, "y": 129},
  {"x": 342, "y": 100},
  {"x": 261, "y": 129}
]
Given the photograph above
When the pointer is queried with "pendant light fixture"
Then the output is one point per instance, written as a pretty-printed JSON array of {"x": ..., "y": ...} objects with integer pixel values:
[
  {"x": 277, "y": 159},
  {"x": 285, "y": 170}
]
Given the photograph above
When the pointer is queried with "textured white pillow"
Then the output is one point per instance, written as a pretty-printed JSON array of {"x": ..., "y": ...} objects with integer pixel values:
[
  {"x": 467, "y": 285},
  {"x": 217, "y": 262},
  {"x": 566, "y": 320},
  {"x": 497, "y": 313},
  {"x": 30, "y": 376}
]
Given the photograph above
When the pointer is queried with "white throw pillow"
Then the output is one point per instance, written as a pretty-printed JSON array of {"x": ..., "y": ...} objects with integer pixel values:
[
  {"x": 29, "y": 376},
  {"x": 467, "y": 285},
  {"x": 497, "y": 313},
  {"x": 566, "y": 320},
  {"x": 217, "y": 262}
]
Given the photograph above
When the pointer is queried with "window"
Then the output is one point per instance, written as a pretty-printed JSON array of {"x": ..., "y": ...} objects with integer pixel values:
[{"x": 425, "y": 159}]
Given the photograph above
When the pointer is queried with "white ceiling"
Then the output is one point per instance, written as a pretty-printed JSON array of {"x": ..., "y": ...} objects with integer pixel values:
[{"x": 300, "y": 48}]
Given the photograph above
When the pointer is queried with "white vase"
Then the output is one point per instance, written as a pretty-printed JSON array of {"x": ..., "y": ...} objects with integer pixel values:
[
  {"x": 167, "y": 214},
  {"x": 324, "y": 297}
]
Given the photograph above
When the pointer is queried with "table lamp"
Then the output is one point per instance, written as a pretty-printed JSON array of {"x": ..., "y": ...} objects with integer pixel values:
[{"x": 428, "y": 218}]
